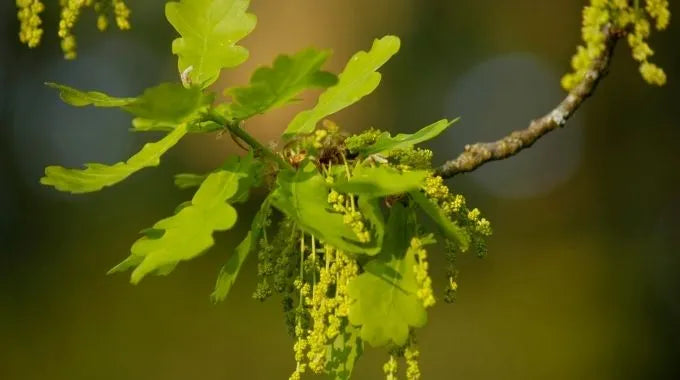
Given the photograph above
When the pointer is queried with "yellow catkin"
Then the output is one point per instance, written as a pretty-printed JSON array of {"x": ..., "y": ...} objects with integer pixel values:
[
  {"x": 625, "y": 16},
  {"x": 345, "y": 204},
  {"x": 421, "y": 270},
  {"x": 28, "y": 14},
  {"x": 122, "y": 13},
  {"x": 411, "y": 356},
  {"x": 454, "y": 207},
  {"x": 30, "y": 31},
  {"x": 325, "y": 300},
  {"x": 390, "y": 368}
]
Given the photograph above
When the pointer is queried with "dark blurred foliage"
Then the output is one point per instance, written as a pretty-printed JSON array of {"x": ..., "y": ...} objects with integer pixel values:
[{"x": 582, "y": 280}]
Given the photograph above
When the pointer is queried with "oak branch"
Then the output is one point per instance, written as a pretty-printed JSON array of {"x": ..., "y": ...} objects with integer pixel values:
[{"x": 476, "y": 155}]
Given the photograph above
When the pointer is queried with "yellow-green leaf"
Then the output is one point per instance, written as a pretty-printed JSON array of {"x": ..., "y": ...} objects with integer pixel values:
[
  {"x": 168, "y": 103},
  {"x": 386, "y": 143},
  {"x": 381, "y": 181},
  {"x": 230, "y": 270},
  {"x": 448, "y": 228},
  {"x": 358, "y": 79},
  {"x": 272, "y": 87},
  {"x": 189, "y": 233},
  {"x": 97, "y": 176},
  {"x": 209, "y": 31},
  {"x": 303, "y": 196},
  {"x": 384, "y": 301},
  {"x": 80, "y": 98}
]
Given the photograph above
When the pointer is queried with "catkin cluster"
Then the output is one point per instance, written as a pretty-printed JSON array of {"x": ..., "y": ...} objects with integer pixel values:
[
  {"x": 454, "y": 207},
  {"x": 30, "y": 30},
  {"x": 635, "y": 19},
  {"x": 28, "y": 13},
  {"x": 323, "y": 303},
  {"x": 421, "y": 270}
]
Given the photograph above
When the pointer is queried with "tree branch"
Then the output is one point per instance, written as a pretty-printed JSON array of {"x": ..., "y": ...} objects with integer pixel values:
[{"x": 476, "y": 155}]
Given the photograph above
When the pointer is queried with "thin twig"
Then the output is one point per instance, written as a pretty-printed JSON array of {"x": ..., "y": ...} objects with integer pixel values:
[{"x": 476, "y": 155}]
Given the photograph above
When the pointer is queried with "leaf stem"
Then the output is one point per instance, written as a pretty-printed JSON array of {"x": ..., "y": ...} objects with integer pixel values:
[{"x": 234, "y": 127}]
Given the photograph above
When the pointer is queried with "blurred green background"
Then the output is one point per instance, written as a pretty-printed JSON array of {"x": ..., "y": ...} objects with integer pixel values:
[{"x": 582, "y": 279}]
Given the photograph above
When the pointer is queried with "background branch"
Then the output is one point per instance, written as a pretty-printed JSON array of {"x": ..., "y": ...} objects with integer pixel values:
[{"x": 476, "y": 155}]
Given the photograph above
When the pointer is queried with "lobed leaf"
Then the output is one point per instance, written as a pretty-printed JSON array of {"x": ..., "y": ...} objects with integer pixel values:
[
  {"x": 230, "y": 270},
  {"x": 386, "y": 143},
  {"x": 80, "y": 98},
  {"x": 97, "y": 176},
  {"x": 450, "y": 229},
  {"x": 159, "y": 108},
  {"x": 358, "y": 79},
  {"x": 303, "y": 196},
  {"x": 209, "y": 31},
  {"x": 168, "y": 104},
  {"x": 384, "y": 301},
  {"x": 380, "y": 181},
  {"x": 188, "y": 233},
  {"x": 272, "y": 87}
]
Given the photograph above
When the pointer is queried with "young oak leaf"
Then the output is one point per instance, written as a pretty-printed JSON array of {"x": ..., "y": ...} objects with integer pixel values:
[
  {"x": 272, "y": 87},
  {"x": 80, "y": 98},
  {"x": 97, "y": 176},
  {"x": 161, "y": 107},
  {"x": 209, "y": 31},
  {"x": 381, "y": 181},
  {"x": 167, "y": 104},
  {"x": 303, "y": 196},
  {"x": 189, "y": 180},
  {"x": 384, "y": 300},
  {"x": 188, "y": 233},
  {"x": 358, "y": 79},
  {"x": 450, "y": 229},
  {"x": 230, "y": 270},
  {"x": 385, "y": 143}
]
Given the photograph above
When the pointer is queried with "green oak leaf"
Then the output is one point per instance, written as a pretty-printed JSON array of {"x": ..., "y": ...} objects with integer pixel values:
[
  {"x": 167, "y": 104},
  {"x": 272, "y": 87},
  {"x": 80, "y": 98},
  {"x": 209, "y": 31},
  {"x": 384, "y": 301},
  {"x": 188, "y": 233},
  {"x": 303, "y": 196},
  {"x": 159, "y": 108},
  {"x": 450, "y": 229},
  {"x": 230, "y": 270},
  {"x": 380, "y": 181},
  {"x": 97, "y": 176},
  {"x": 189, "y": 180},
  {"x": 386, "y": 143},
  {"x": 343, "y": 353},
  {"x": 358, "y": 79}
]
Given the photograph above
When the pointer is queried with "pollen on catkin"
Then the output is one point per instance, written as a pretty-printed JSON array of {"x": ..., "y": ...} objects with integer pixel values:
[
  {"x": 629, "y": 18},
  {"x": 30, "y": 31},
  {"x": 391, "y": 368},
  {"x": 455, "y": 208},
  {"x": 345, "y": 204},
  {"x": 421, "y": 270},
  {"x": 28, "y": 14},
  {"x": 323, "y": 301}
]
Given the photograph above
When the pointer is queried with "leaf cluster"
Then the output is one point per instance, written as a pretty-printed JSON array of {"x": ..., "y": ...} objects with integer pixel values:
[{"x": 347, "y": 194}]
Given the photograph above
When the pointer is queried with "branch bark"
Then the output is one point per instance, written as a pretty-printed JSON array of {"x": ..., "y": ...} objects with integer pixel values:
[{"x": 478, "y": 154}]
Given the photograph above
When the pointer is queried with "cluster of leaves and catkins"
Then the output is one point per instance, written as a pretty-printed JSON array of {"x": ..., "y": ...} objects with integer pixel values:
[{"x": 341, "y": 236}]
